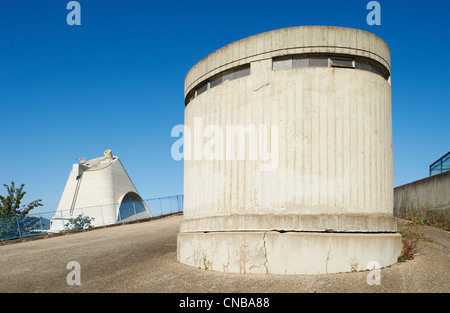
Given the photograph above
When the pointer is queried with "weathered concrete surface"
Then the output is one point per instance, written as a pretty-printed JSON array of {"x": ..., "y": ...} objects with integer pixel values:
[
  {"x": 142, "y": 258},
  {"x": 334, "y": 151},
  {"x": 287, "y": 253},
  {"x": 292, "y": 222},
  {"x": 328, "y": 133},
  {"x": 425, "y": 198},
  {"x": 292, "y": 40}
]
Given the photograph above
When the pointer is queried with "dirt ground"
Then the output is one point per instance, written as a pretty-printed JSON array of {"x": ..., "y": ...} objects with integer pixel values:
[{"x": 142, "y": 258}]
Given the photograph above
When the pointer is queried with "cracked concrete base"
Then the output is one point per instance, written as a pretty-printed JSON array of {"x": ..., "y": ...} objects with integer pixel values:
[{"x": 287, "y": 253}]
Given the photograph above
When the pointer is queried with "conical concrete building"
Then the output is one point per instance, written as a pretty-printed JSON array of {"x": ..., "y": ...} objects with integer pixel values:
[{"x": 100, "y": 189}]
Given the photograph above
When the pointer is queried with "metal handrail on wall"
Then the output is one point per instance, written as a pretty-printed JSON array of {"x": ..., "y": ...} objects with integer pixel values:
[{"x": 441, "y": 165}]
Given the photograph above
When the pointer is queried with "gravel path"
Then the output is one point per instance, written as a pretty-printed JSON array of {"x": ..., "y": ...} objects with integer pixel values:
[{"x": 142, "y": 258}]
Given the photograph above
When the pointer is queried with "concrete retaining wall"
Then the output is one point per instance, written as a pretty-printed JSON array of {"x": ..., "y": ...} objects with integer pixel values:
[{"x": 428, "y": 198}]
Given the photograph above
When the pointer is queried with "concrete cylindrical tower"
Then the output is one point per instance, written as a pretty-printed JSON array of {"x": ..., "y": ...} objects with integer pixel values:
[{"x": 288, "y": 155}]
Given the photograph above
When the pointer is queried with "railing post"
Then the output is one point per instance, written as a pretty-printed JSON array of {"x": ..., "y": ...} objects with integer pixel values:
[
  {"x": 134, "y": 208},
  {"x": 160, "y": 207},
  {"x": 18, "y": 227},
  {"x": 40, "y": 222},
  {"x": 82, "y": 218},
  {"x": 170, "y": 204},
  {"x": 62, "y": 221}
]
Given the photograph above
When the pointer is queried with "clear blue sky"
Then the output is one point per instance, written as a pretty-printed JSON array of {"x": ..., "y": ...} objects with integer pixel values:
[{"x": 116, "y": 81}]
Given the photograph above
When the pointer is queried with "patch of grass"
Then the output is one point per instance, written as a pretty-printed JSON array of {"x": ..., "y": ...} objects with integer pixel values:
[
  {"x": 432, "y": 222},
  {"x": 410, "y": 232},
  {"x": 423, "y": 216},
  {"x": 410, "y": 237},
  {"x": 408, "y": 249}
]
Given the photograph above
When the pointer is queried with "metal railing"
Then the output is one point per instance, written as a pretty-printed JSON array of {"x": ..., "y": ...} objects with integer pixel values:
[
  {"x": 441, "y": 165},
  {"x": 51, "y": 222}
]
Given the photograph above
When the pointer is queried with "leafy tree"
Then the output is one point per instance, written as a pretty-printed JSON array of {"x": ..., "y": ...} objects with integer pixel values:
[
  {"x": 10, "y": 205},
  {"x": 80, "y": 222},
  {"x": 12, "y": 214}
]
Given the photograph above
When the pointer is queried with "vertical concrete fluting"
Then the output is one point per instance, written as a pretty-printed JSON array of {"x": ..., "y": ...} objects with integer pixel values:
[{"x": 290, "y": 170}]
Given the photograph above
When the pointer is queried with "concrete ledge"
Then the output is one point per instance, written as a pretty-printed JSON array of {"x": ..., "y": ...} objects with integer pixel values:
[
  {"x": 293, "y": 222},
  {"x": 287, "y": 253}
]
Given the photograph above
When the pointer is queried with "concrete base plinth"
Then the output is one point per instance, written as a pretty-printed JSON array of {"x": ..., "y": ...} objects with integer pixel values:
[{"x": 288, "y": 253}]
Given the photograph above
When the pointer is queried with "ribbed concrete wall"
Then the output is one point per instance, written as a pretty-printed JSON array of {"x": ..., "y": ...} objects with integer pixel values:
[
  {"x": 293, "y": 40},
  {"x": 327, "y": 167},
  {"x": 334, "y": 164}
]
